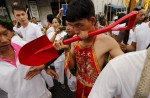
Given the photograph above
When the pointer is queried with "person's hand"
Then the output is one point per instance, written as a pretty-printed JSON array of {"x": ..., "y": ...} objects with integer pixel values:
[
  {"x": 60, "y": 10},
  {"x": 123, "y": 46},
  {"x": 58, "y": 45},
  {"x": 52, "y": 73},
  {"x": 33, "y": 71},
  {"x": 57, "y": 30}
]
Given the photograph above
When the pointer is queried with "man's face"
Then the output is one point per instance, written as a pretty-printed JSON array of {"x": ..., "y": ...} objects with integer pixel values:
[
  {"x": 34, "y": 20},
  {"x": 140, "y": 16},
  {"x": 5, "y": 39},
  {"x": 83, "y": 26},
  {"x": 20, "y": 16}
]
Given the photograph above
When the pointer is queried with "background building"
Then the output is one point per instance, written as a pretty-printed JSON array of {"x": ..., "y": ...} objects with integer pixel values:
[{"x": 41, "y": 8}]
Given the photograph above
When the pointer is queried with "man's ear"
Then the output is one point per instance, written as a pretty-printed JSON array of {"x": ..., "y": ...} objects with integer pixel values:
[{"x": 93, "y": 20}]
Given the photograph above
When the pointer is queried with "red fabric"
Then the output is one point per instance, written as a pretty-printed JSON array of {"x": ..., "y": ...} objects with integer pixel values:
[
  {"x": 82, "y": 88},
  {"x": 67, "y": 62},
  {"x": 87, "y": 64},
  {"x": 87, "y": 69}
]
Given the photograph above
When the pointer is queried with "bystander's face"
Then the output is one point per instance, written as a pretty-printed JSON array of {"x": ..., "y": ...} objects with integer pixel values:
[
  {"x": 5, "y": 39},
  {"x": 34, "y": 20},
  {"x": 69, "y": 30},
  {"x": 83, "y": 26},
  {"x": 20, "y": 16},
  {"x": 55, "y": 23},
  {"x": 140, "y": 16}
]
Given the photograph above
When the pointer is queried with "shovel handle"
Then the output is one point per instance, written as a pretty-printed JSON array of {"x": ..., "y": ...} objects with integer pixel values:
[{"x": 131, "y": 16}]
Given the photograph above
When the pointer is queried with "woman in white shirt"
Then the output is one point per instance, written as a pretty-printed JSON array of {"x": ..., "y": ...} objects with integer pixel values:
[{"x": 59, "y": 62}]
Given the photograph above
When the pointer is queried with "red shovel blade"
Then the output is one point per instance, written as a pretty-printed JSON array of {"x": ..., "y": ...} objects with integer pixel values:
[
  {"x": 41, "y": 50},
  {"x": 27, "y": 53}
]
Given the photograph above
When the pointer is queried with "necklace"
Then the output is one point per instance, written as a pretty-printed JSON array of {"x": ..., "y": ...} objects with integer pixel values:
[{"x": 10, "y": 55}]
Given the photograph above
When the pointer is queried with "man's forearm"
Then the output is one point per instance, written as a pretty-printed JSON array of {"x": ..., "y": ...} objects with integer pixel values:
[{"x": 130, "y": 48}]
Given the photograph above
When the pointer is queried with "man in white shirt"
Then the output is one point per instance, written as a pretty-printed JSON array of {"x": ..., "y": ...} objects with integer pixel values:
[
  {"x": 122, "y": 77},
  {"x": 141, "y": 38},
  {"x": 13, "y": 75},
  {"x": 29, "y": 32},
  {"x": 132, "y": 44},
  {"x": 35, "y": 22}
]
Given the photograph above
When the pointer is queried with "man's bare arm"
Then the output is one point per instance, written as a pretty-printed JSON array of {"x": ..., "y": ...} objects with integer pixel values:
[{"x": 115, "y": 50}]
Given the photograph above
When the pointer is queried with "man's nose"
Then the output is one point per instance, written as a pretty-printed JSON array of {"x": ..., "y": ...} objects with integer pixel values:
[{"x": 21, "y": 16}]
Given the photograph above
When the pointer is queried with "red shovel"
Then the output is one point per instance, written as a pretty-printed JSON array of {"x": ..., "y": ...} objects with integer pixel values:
[{"x": 41, "y": 50}]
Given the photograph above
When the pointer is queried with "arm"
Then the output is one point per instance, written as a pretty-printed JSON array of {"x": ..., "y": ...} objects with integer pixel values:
[
  {"x": 59, "y": 15},
  {"x": 133, "y": 38},
  {"x": 128, "y": 48},
  {"x": 114, "y": 47},
  {"x": 55, "y": 34},
  {"x": 53, "y": 37},
  {"x": 131, "y": 47},
  {"x": 52, "y": 73},
  {"x": 58, "y": 45},
  {"x": 107, "y": 84},
  {"x": 33, "y": 71},
  {"x": 72, "y": 57}
]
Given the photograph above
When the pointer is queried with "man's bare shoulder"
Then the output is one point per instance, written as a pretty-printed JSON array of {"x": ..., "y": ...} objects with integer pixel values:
[
  {"x": 104, "y": 38},
  {"x": 107, "y": 42}
]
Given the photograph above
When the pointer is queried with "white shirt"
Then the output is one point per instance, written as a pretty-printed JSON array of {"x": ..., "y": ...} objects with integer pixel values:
[
  {"x": 131, "y": 33},
  {"x": 12, "y": 81},
  {"x": 142, "y": 36},
  {"x": 40, "y": 25},
  {"x": 120, "y": 77},
  {"x": 58, "y": 36},
  {"x": 31, "y": 32},
  {"x": 117, "y": 32},
  {"x": 51, "y": 29},
  {"x": 19, "y": 41},
  {"x": 17, "y": 30}
]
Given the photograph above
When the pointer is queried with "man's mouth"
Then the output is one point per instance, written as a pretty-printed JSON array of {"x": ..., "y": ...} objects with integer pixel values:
[{"x": 3, "y": 46}]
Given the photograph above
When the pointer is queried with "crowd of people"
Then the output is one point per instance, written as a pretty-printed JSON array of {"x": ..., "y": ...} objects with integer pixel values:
[{"x": 101, "y": 66}]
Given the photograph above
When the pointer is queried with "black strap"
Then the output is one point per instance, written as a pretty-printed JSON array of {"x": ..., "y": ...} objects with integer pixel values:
[{"x": 148, "y": 46}]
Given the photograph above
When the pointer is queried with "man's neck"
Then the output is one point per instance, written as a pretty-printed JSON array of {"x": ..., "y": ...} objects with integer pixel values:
[
  {"x": 9, "y": 54},
  {"x": 87, "y": 42},
  {"x": 25, "y": 24},
  {"x": 89, "y": 39}
]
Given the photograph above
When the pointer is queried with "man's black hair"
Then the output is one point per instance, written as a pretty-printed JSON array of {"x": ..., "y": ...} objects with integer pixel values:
[
  {"x": 120, "y": 15},
  {"x": 138, "y": 8},
  {"x": 79, "y": 9},
  {"x": 33, "y": 17},
  {"x": 145, "y": 18},
  {"x": 19, "y": 7},
  {"x": 50, "y": 17},
  {"x": 7, "y": 25}
]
